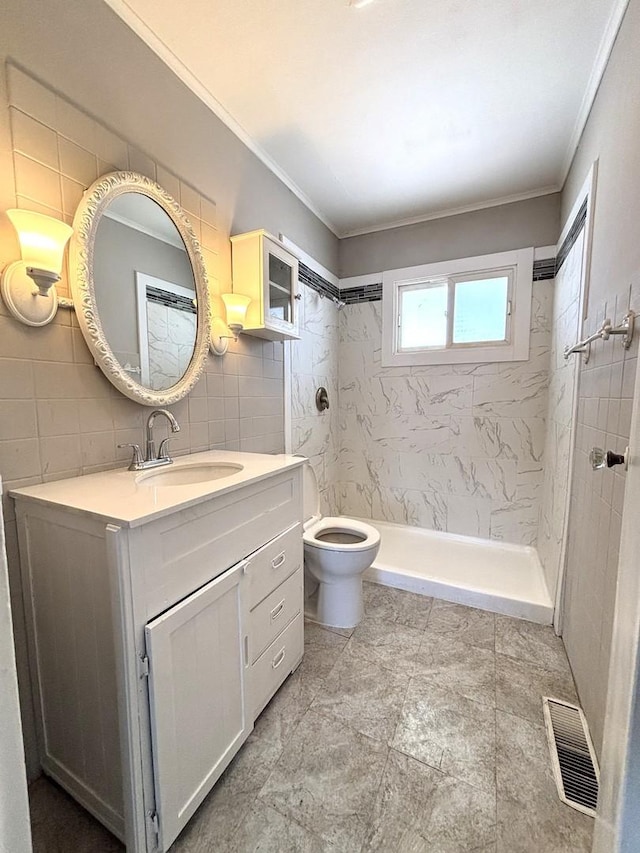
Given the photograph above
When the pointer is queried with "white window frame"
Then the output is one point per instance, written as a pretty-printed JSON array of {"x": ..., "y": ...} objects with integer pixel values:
[{"x": 516, "y": 348}]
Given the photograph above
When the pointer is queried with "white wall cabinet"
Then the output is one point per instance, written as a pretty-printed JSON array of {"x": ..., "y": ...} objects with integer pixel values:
[
  {"x": 154, "y": 647},
  {"x": 265, "y": 270}
]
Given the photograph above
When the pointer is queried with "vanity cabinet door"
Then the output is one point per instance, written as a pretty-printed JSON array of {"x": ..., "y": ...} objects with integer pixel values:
[{"x": 199, "y": 711}]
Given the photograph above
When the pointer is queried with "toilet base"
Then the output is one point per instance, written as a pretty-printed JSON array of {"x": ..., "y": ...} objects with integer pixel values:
[{"x": 336, "y": 605}]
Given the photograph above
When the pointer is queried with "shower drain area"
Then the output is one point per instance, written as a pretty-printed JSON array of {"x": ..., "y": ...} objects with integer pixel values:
[{"x": 574, "y": 762}]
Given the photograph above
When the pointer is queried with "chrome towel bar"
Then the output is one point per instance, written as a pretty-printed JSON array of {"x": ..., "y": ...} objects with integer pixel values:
[{"x": 606, "y": 330}]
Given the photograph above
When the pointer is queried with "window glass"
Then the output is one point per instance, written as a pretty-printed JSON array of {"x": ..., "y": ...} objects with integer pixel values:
[
  {"x": 480, "y": 310},
  {"x": 423, "y": 316}
]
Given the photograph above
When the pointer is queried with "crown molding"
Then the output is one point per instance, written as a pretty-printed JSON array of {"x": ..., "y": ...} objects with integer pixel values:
[
  {"x": 453, "y": 211},
  {"x": 164, "y": 52},
  {"x": 599, "y": 66}
]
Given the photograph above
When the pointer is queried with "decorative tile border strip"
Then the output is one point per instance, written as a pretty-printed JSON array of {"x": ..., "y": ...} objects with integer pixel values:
[
  {"x": 316, "y": 282},
  {"x": 572, "y": 236},
  {"x": 171, "y": 300},
  {"x": 544, "y": 269},
  {"x": 366, "y": 293}
]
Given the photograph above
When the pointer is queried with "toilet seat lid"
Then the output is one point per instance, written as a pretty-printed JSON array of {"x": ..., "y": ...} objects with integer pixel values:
[{"x": 311, "y": 495}]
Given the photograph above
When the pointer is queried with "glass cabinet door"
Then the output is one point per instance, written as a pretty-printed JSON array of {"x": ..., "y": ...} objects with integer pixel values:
[
  {"x": 281, "y": 294},
  {"x": 280, "y": 289},
  {"x": 281, "y": 284}
]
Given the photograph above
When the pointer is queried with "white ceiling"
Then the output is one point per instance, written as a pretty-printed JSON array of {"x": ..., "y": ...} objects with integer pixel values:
[{"x": 398, "y": 111}]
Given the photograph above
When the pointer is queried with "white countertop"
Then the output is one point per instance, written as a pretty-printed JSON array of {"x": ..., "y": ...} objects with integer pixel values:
[{"x": 116, "y": 495}]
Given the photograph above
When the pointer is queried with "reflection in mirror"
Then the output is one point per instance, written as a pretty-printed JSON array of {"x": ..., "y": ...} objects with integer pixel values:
[{"x": 145, "y": 290}]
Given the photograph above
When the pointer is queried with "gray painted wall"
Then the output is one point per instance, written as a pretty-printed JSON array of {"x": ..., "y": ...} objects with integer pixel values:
[
  {"x": 85, "y": 51},
  {"x": 534, "y": 222},
  {"x": 612, "y": 136}
]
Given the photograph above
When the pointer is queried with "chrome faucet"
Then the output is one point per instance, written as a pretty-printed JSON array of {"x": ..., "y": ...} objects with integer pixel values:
[
  {"x": 163, "y": 455},
  {"x": 151, "y": 460}
]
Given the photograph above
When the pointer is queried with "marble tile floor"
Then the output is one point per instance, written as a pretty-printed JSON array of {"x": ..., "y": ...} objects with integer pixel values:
[{"x": 421, "y": 731}]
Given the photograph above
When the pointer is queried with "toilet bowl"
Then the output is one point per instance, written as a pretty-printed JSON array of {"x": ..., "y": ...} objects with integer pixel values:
[{"x": 337, "y": 551}]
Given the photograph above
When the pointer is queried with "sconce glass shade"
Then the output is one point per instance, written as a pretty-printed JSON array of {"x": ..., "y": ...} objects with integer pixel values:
[
  {"x": 42, "y": 239},
  {"x": 236, "y": 305},
  {"x": 42, "y": 243},
  {"x": 236, "y": 310}
]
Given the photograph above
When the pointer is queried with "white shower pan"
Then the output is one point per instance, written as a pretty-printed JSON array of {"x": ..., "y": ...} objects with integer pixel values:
[{"x": 495, "y": 576}]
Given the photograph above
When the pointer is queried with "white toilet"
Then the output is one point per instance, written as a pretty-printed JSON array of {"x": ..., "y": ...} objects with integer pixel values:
[{"x": 336, "y": 553}]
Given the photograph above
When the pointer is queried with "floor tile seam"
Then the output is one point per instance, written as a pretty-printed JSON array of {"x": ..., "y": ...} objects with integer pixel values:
[
  {"x": 288, "y": 816},
  {"x": 461, "y": 640},
  {"x": 374, "y": 797},
  {"x": 400, "y": 715},
  {"x": 428, "y": 635},
  {"x": 391, "y": 622},
  {"x": 238, "y": 825},
  {"x": 475, "y": 786},
  {"x": 509, "y": 713},
  {"x": 277, "y": 761},
  {"x": 385, "y": 669},
  {"x": 334, "y": 718},
  {"x": 294, "y": 820},
  {"x": 332, "y": 629},
  {"x": 449, "y": 691},
  {"x": 536, "y": 663}
]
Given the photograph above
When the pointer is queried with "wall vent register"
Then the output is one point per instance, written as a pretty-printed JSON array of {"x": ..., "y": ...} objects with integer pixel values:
[{"x": 574, "y": 762}]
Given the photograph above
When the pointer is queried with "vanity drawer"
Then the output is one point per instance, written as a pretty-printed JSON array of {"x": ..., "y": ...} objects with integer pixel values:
[
  {"x": 270, "y": 616},
  {"x": 275, "y": 664},
  {"x": 273, "y": 563}
]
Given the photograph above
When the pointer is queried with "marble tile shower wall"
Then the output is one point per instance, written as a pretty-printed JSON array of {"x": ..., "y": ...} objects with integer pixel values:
[
  {"x": 605, "y": 399},
  {"x": 59, "y": 417},
  {"x": 314, "y": 363},
  {"x": 457, "y": 448},
  {"x": 560, "y": 418}
]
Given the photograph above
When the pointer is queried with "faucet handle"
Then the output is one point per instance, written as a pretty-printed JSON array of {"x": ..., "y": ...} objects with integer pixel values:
[
  {"x": 163, "y": 450},
  {"x": 137, "y": 461}
]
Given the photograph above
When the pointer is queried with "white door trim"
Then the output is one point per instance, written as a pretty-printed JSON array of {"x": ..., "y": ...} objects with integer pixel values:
[
  {"x": 587, "y": 193},
  {"x": 14, "y": 802},
  {"x": 617, "y": 828}
]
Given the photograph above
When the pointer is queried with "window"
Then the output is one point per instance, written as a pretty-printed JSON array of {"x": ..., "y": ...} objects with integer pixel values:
[{"x": 471, "y": 310}]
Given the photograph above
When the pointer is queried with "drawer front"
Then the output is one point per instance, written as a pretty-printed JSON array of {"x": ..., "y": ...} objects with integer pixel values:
[
  {"x": 273, "y": 563},
  {"x": 275, "y": 664},
  {"x": 270, "y": 616},
  {"x": 179, "y": 553}
]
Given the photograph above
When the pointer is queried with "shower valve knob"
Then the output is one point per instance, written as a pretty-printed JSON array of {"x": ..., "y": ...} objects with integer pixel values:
[{"x": 600, "y": 458}]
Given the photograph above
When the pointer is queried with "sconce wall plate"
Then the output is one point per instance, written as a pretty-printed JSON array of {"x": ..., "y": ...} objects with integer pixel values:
[
  {"x": 219, "y": 336},
  {"x": 23, "y": 299}
]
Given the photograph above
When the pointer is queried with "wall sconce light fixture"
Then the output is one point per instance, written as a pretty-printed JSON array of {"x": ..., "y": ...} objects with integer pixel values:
[
  {"x": 42, "y": 243},
  {"x": 236, "y": 309}
]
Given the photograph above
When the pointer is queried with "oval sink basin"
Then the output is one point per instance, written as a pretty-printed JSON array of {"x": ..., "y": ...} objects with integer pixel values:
[{"x": 188, "y": 475}]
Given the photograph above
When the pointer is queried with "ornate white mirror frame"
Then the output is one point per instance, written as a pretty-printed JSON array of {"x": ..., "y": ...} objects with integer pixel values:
[{"x": 81, "y": 266}]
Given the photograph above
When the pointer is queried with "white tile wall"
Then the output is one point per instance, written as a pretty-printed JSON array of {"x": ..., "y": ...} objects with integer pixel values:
[
  {"x": 456, "y": 448},
  {"x": 605, "y": 397},
  {"x": 314, "y": 363}
]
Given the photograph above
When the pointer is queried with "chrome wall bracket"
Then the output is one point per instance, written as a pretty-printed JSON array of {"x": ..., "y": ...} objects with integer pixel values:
[{"x": 606, "y": 330}]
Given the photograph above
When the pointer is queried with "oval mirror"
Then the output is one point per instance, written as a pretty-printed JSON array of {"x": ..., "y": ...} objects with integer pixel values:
[{"x": 140, "y": 288}]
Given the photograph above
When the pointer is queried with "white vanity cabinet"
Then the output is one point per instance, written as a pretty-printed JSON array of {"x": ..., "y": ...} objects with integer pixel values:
[
  {"x": 265, "y": 270},
  {"x": 157, "y": 637}
]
